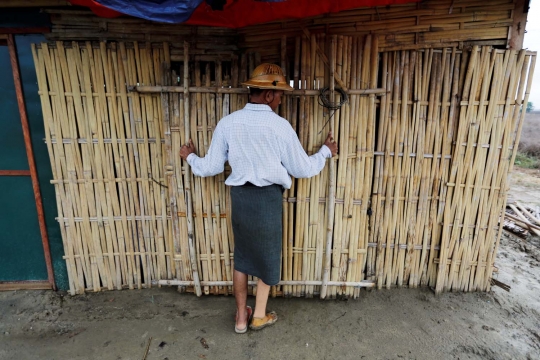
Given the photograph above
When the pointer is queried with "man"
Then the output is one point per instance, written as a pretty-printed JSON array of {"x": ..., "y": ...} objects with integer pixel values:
[{"x": 263, "y": 151}]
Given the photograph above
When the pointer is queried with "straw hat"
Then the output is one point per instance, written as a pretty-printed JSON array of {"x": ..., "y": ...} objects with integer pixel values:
[{"x": 268, "y": 76}]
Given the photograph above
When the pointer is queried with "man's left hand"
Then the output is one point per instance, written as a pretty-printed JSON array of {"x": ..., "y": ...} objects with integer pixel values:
[{"x": 187, "y": 149}]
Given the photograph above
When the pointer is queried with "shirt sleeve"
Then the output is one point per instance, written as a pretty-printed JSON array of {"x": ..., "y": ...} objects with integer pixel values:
[
  {"x": 214, "y": 162},
  {"x": 298, "y": 163}
]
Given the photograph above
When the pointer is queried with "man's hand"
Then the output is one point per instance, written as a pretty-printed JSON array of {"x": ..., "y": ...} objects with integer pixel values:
[
  {"x": 187, "y": 149},
  {"x": 331, "y": 144}
]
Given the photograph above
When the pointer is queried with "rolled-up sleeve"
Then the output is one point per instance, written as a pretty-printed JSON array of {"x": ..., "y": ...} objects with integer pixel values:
[
  {"x": 298, "y": 163},
  {"x": 214, "y": 162}
]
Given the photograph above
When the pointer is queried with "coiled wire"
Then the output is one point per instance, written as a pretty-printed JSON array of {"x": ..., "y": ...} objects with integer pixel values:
[{"x": 324, "y": 101}]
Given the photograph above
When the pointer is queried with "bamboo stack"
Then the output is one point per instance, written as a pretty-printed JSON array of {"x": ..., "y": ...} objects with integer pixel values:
[{"x": 413, "y": 199}]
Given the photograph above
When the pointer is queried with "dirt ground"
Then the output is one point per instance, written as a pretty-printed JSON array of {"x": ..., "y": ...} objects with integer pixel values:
[{"x": 384, "y": 324}]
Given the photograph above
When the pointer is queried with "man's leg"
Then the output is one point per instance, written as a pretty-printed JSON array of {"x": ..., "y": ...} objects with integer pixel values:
[
  {"x": 261, "y": 299},
  {"x": 240, "y": 285}
]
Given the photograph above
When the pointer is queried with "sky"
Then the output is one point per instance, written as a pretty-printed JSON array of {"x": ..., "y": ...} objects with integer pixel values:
[{"x": 532, "y": 42}]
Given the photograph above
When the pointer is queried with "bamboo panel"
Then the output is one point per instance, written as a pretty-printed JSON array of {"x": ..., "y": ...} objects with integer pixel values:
[
  {"x": 128, "y": 243},
  {"x": 453, "y": 199},
  {"x": 496, "y": 124}
]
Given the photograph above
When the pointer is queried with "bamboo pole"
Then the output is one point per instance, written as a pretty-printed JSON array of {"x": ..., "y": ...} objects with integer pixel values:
[
  {"x": 187, "y": 177},
  {"x": 331, "y": 185},
  {"x": 254, "y": 283},
  {"x": 225, "y": 90}
]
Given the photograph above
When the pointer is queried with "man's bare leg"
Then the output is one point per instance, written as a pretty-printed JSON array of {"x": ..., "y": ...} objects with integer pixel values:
[
  {"x": 240, "y": 286},
  {"x": 261, "y": 299}
]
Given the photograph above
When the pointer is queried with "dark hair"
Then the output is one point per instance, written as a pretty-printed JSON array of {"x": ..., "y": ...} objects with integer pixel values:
[{"x": 255, "y": 91}]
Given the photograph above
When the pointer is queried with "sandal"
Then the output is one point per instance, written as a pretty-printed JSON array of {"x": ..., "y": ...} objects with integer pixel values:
[
  {"x": 249, "y": 315},
  {"x": 260, "y": 323}
]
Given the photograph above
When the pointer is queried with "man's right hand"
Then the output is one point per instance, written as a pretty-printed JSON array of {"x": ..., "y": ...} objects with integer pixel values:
[
  {"x": 187, "y": 149},
  {"x": 331, "y": 144}
]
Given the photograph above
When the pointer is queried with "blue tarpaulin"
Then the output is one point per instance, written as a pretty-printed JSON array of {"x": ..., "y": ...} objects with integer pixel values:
[
  {"x": 168, "y": 11},
  {"x": 225, "y": 13}
]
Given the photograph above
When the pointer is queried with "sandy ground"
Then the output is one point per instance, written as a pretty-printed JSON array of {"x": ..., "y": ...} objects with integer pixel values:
[{"x": 384, "y": 324}]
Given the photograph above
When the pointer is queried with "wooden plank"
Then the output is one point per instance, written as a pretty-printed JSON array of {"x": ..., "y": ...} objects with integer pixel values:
[
  {"x": 15, "y": 173},
  {"x": 25, "y": 285}
]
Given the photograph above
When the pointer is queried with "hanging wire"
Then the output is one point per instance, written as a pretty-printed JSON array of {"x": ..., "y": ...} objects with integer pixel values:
[{"x": 324, "y": 101}]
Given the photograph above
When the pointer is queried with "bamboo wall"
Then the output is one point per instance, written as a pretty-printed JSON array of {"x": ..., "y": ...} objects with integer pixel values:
[
  {"x": 414, "y": 197},
  {"x": 426, "y": 139}
]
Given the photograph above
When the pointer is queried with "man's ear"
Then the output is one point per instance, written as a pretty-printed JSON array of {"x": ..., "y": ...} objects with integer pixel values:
[{"x": 269, "y": 95}]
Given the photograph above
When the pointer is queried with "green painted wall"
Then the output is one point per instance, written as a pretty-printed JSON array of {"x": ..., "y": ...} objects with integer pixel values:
[
  {"x": 37, "y": 131},
  {"x": 31, "y": 18}
]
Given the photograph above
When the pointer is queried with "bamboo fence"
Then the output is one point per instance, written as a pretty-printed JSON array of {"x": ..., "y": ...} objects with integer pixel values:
[{"x": 426, "y": 140}]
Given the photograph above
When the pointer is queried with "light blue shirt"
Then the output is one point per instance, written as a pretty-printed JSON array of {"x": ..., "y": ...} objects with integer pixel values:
[{"x": 261, "y": 148}]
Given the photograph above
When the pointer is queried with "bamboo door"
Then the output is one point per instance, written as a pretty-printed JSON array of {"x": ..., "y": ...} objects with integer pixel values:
[{"x": 325, "y": 218}]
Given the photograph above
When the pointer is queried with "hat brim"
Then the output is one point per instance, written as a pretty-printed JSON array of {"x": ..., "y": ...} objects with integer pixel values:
[{"x": 259, "y": 85}]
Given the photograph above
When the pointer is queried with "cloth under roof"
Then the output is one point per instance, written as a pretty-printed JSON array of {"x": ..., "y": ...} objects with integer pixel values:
[{"x": 234, "y": 13}]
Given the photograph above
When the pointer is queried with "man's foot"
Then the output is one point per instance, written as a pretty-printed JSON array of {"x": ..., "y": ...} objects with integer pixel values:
[
  {"x": 241, "y": 328},
  {"x": 261, "y": 323}
]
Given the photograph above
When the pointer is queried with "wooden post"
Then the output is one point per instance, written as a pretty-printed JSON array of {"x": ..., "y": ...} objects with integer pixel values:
[{"x": 517, "y": 31}]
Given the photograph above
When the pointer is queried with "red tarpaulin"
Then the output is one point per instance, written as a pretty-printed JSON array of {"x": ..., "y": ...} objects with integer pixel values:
[{"x": 240, "y": 13}]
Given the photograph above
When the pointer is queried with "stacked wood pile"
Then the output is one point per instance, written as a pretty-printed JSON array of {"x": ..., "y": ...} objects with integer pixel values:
[{"x": 521, "y": 220}]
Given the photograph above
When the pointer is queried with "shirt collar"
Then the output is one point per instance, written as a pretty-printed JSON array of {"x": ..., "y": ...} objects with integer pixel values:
[{"x": 257, "y": 107}]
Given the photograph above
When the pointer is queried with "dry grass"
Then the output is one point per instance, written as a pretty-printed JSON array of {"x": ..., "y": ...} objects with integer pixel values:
[{"x": 530, "y": 135}]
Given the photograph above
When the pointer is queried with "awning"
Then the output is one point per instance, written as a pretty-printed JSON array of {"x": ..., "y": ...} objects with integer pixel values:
[{"x": 225, "y": 13}]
